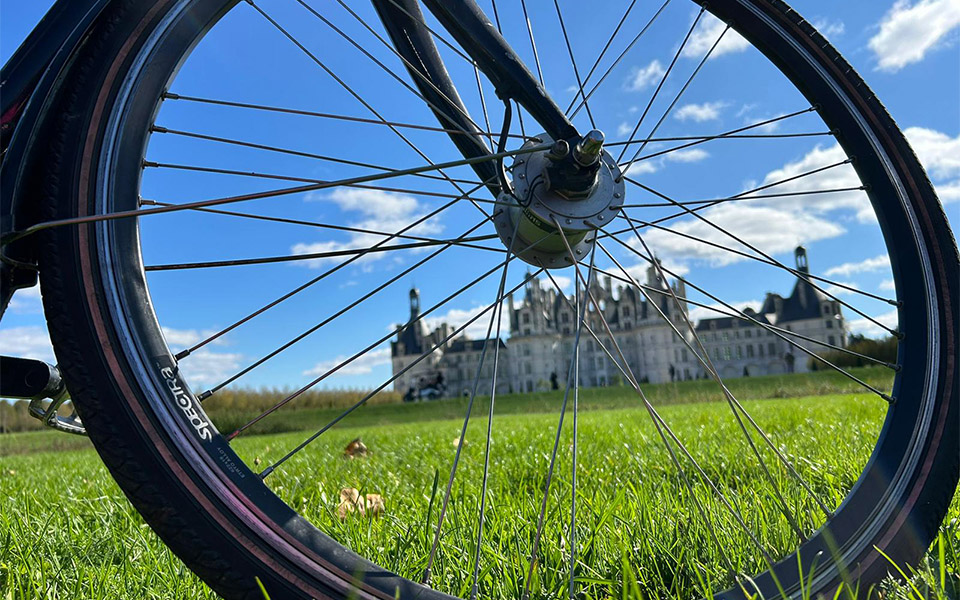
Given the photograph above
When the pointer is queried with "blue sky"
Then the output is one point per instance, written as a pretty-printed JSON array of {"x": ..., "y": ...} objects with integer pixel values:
[{"x": 906, "y": 50}]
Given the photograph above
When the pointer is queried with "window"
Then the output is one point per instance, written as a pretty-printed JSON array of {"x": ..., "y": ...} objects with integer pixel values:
[
  {"x": 526, "y": 350},
  {"x": 831, "y": 340},
  {"x": 749, "y": 351},
  {"x": 771, "y": 348},
  {"x": 760, "y": 350},
  {"x": 829, "y": 324},
  {"x": 739, "y": 351},
  {"x": 526, "y": 318},
  {"x": 826, "y": 309},
  {"x": 726, "y": 353},
  {"x": 725, "y": 336},
  {"x": 565, "y": 318},
  {"x": 527, "y": 368},
  {"x": 526, "y": 331},
  {"x": 529, "y": 386},
  {"x": 683, "y": 354}
]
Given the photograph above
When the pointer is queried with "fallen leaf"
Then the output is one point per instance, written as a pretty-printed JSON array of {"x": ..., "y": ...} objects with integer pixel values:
[
  {"x": 456, "y": 442},
  {"x": 349, "y": 502},
  {"x": 355, "y": 448},
  {"x": 375, "y": 505}
]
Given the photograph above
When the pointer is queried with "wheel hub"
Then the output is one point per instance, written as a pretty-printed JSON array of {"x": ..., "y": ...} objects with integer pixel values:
[{"x": 536, "y": 208}]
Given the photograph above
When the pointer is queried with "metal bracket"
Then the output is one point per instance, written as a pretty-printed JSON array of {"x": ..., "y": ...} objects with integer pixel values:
[{"x": 39, "y": 382}]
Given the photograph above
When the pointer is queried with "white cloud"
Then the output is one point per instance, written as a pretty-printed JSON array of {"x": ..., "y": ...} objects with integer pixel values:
[
  {"x": 705, "y": 35},
  {"x": 908, "y": 31},
  {"x": 642, "y": 77},
  {"x": 26, "y": 301},
  {"x": 830, "y": 29},
  {"x": 30, "y": 341},
  {"x": 179, "y": 339},
  {"x": 708, "y": 111},
  {"x": 646, "y": 166},
  {"x": 771, "y": 230},
  {"x": 869, "y": 265},
  {"x": 687, "y": 156},
  {"x": 949, "y": 192},
  {"x": 624, "y": 129},
  {"x": 870, "y": 329},
  {"x": 842, "y": 176},
  {"x": 362, "y": 365},
  {"x": 887, "y": 285},
  {"x": 643, "y": 167},
  {"x": 207, "y": 368},
  {"x": 387, "y": 212},
  {"x": 563, "y": 281},
  {"x": 939, "y": 153}
]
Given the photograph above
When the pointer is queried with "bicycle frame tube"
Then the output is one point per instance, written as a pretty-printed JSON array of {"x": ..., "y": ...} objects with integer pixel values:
[{"x": 479, "y": 38}]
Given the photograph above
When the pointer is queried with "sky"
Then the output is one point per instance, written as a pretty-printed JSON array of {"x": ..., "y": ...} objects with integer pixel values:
[{"x": 906, "y": 50}]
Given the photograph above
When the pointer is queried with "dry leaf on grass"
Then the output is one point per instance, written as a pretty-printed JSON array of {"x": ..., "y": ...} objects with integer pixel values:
[
  {"x": 355, "y": 448},
  {"x": 351, "y": 501},
  {"x": 456, "y": 442}
]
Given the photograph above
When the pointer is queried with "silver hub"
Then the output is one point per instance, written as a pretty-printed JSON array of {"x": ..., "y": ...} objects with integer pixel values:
[{"x": 539, "y": 210}]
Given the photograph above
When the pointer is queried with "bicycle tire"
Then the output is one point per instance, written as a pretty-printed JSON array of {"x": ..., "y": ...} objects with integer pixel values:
[{"x": 161, "y": 461}]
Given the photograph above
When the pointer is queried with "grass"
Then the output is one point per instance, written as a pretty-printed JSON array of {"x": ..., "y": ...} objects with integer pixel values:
[{"x": 66, "y": 530}]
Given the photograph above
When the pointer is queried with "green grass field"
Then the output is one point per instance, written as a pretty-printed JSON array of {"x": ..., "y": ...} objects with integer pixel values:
[{"x": 66, "y": 530}]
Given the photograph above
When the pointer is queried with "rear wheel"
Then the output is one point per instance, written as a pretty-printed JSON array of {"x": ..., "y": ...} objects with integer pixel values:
[{"x": 223, "y": 520}]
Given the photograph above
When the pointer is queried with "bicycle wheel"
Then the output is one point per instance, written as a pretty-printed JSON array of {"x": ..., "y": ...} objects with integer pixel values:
[{"x": 219, "y": 515}]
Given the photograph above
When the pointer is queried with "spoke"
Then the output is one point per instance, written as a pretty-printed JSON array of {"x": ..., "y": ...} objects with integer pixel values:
[
  {"x": 686, "y": 210},
  {"x": 486, "y": 453},
  {"x": 413, "y": 68},
  {"x": 617, "y": 60},
  {"x": 676, "y": 98},
  {"x": 297, "y": 393},
  {"x": 722, "y": 136},
  {"x": 769, "y": 258},
  {"x": 663, "y": 80},
  {"x": 800, "y": 347},
  {"x": 264, "y": 260},
  {"x": 758, "y": 258},
  {"x": 364, "y": 400},
  {"x": 573, "y": 468},
  {"x": 704, "y": 358},
  {"x": 306, "y": 285},
  {"x": 859, "y": 188},
  {"x": 334, "y": 316},
  {"x": 576, "y": 73},
  {"x": 259, "y": 175},
  {"x": 291, "y": 152},
  {"x": 731, "y": 134},
  {"x": 483, "y": 107},
  {"x": 257, "y": 217},
  {"x": 270, "y": 194},
  {"x": 359, "y": 98},
  {"x": 322, "y": 115},
  {"x": 420, "y": 21},
  {"x": 658, "y": 421},
  {"x": 533, "y": 43},
  {"x": 603, "y": 52},
  {"x": 556, "y": 443},
  {"x": 466, "y": 418}
]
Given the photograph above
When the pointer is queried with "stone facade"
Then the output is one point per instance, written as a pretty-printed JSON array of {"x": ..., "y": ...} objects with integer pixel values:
[{"x": 536, "y": 356}]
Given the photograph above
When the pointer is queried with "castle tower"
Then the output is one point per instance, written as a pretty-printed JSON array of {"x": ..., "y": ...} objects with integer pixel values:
[
  {"x": 414, "y": 303},
  {"x": 800, "y": 254}
]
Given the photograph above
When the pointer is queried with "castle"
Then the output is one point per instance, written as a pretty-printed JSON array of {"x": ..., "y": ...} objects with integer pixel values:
[{"x": 537, "y": 353}]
